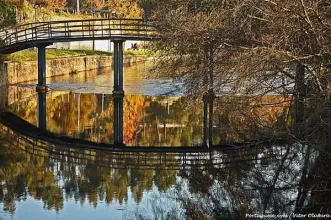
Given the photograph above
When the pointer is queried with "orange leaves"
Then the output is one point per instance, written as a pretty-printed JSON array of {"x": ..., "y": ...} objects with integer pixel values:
[{"x": 134, "y": 109}]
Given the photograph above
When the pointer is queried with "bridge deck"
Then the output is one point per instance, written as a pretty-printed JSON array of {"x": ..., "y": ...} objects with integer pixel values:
[{"x": 29, "y": 35}]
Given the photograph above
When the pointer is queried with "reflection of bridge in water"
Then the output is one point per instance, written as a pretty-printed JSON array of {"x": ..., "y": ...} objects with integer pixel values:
[
  {"x": 131, "y": 159},
  {"x": 145, "y": 121},
  {"x": 117, "y": 119}
]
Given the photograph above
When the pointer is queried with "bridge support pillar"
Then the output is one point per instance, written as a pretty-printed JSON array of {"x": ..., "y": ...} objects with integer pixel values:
[
  {"x": 42, "y": 110},
  {"x": 41, "y": 86},
  {"x": 118, "y": 67},
  {"x": 118, "y": 119}
]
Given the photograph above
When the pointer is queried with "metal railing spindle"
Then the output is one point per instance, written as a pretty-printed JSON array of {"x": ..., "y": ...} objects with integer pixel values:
[
  {"x": 102, "y": 28},
  {"x": 110, "y": 27},
  {"x": 83, "y": 28}
]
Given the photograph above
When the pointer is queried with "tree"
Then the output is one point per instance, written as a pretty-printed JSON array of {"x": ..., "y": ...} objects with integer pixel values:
[
  {"x": 148, "y": 7},
  {"x": 92, "y": 5},
  {"x": 7, "y": 14},
  {"x": 124, "y": 8},
  {"x": 248, "y": 37},
  {"x": 248, "y": 47},
  {"x": 56, "y": 4}
]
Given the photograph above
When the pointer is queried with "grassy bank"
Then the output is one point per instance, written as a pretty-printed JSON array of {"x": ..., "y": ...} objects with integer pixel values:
[{"x": 31, "y": 55}]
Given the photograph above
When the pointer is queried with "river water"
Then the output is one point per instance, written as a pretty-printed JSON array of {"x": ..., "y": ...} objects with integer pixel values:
[{"x": 41, "y": 180}]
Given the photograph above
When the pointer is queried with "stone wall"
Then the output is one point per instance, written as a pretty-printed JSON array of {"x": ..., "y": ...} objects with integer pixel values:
[
  {"x": 3, "y": 75},
  {"x": 3, "y": 87},
  {"x": 23, "y": 72},
  {"x": 3, "y": 97}
]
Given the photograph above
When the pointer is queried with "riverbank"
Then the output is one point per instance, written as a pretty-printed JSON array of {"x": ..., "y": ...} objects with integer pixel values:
[
  {"x": 31, "y": 54},
  {"x": 26, "y": 71}
]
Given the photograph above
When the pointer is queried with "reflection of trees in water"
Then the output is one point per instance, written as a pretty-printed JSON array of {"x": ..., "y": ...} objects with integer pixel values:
[
  {"x": 263, "y": 179},
  {"x": 134, "y": 112},
  {"x": 171, "y": 122},
  {"x": 267, "y": 184},
  {"x": 281, "y": 180},
  {"x": 82, "y": 175},
  {"x": 239, "y": 119},
  {"x": 155, "y": 121},
  {"x": 24, "y": 170},
  {"x": 315, "y": 191}
]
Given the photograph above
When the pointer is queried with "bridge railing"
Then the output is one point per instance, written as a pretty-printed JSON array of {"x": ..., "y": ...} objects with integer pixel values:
[
  {"x": 78, "y": 29},
  {"x": 143, "y": 160}
]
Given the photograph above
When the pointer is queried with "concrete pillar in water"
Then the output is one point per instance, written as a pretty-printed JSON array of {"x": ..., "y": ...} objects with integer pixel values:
[
  {"x": 118, "y": 119},
  {"x": 42, "y": 111},
  {"x": 299, "y": 93},
  {"x": 118, "y": 67}
]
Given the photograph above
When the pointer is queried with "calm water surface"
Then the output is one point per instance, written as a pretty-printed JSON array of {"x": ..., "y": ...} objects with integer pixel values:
[{"x": 40, "y": 180}]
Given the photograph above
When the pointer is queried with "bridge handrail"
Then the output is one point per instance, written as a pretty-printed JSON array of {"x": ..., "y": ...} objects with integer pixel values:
[
  {"x": 31, "y": 24},
  {"x": 89, "y": 28}
]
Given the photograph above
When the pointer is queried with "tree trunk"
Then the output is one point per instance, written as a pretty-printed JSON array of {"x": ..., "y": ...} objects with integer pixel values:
[{"x": 299, "y": 93}]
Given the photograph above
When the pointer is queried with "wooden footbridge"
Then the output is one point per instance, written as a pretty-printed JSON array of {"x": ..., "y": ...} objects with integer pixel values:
[
  {"x": 46, "y": 33},
  {"x": 43, "y": 34}
]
